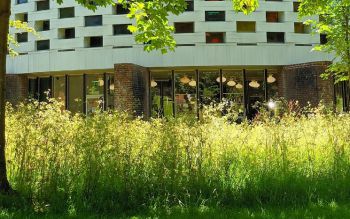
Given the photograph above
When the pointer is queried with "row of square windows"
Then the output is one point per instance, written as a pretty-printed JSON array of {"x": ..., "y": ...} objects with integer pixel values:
[
  {"x": 211, "y": 38},
  {"x": 69, "y": 12},
  {"x": 45, "y": 4}
]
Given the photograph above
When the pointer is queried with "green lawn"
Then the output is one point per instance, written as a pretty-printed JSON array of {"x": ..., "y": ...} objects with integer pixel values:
[{"x": 318, "y": 211}]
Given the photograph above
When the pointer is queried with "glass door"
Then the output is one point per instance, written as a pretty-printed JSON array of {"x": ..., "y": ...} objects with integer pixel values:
[
  {"x": 162, "y": 95},
  {"x": 94, "y": 93},
  {"x": 255, "y": 91}
]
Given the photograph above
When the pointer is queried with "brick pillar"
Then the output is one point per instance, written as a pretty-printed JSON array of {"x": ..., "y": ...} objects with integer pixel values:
[
  {"x": 302, "y": 82},
  {"x": 16, "y": 88},
  {"x": 132, "y": 89}
]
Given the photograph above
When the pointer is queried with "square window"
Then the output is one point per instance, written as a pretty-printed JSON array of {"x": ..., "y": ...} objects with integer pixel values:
[
  {"x": 120, "y": 9},
  {"x": 94, "y": 41},
  {"x": 301, "y": 28},
  {"x": 121, "y": 29},
  {"x": 22, "y": 37},
  {"x": 246, "y": 26},
  {"x": 184, "y": 27},
  {"x": 95, "y": 20},
  {"x": 274, "y": 16},
  {"x": 275, "y": 37},
  {"x": 22, "y": 1},
  {"x": 215, "y": 37},
  {"x": 22, "y": 17},
  {"x": 42, "y": 5},
  {"x": 296, "y": 6},
  {"x": 67, "y": 12},
  {"x": 215, "y": 16},
  {"x": 42, "y": 45},
  {"x": 190, "y": 6},
  {"x": 323, "y": 39},
  {"x": 42, "y": 25}
]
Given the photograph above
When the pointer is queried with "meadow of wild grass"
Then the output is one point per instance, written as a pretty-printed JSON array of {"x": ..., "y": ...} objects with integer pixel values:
[{"x": 109, "y": 163}]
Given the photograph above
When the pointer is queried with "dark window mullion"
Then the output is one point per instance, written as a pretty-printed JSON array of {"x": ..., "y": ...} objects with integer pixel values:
[
  {"x": 173, "y": 91},
  {"x": 197, "y": 92},
  {"x": 67, "y": 91},
  {"x": 84, "y": 93},
  {"x": 105, "y": 90}
]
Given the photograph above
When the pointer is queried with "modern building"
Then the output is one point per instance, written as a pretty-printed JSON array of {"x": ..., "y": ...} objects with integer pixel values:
[{"x": 90, "y": 59}]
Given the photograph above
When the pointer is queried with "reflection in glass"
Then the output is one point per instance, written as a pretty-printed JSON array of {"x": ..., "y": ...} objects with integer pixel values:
[
  {"x": 161, "y": 94},
  {"x": 94, "y": 93},
  {"x": 75, "y": 101},
  {"x": 59, "y": 89},
  {"x": 185, "y": 93},
  {"x": 33, "y": 88},
  {"x": 272, "y": 84},
  {"x": 44, "y": 88},
  {"x": 233, "y": 91},
  {"x": 209, "y": 87},
  {"x": 255, "y": 87},
  {"x": 110, "y": 91}
]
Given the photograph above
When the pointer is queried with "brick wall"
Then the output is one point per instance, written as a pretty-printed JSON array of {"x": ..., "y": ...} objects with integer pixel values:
[
  {"x": 302, "y": 82},
  {"x": 16, "y": 88},
  {"x": 131, "y": 89}
]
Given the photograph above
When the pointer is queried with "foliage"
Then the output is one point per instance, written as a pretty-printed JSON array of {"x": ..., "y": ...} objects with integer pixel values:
[
  {"x": 12, "y": 42},
  {"x": 331, "y": 17},
  {"x": 111, "y": 163}
]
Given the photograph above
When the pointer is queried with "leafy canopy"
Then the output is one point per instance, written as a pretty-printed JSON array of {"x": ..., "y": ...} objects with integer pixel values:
[{"x": 333, "y": 20}]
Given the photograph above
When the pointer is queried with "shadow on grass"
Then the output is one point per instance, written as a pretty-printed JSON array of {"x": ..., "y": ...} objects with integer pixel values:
[{"x": 332, "y": 210}]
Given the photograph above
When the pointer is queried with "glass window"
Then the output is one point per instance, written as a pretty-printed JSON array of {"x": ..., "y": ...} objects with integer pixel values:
[
  {"x": 96, "y": 41},
  {"x": 22, "y": 37},
  {"x": 233, "y": 91},
  {"x": 246, "y": 26},
  {"x": 296, "y": 6},
  {"x": 161, "y": 94},
  {"x": 186, "y": 93},
  {"x": 190, "y": 6},
  {"x": 275, "y": 37},
  {"x": 255, "y": 87},
  {"x": 94, "y": 20},
  {"x": 209, "y": 87},
  {"x": 75, "y": 96},
  {"x": 94, "y": 93},
  {"x": 274, "y": 16},
  {"x": 184, "y": 27},
  {"x": 59, "y": 89},
  {"x": 42, "y": 25},
  {"x": 33, "y": 88},
  {"x": 22, "y": 1},
  {"x": 121, "y": 29},
  {"x": 323, "y": 39},
  {"x": 110, "y": 91},
  {"x": 299, "y": 27},
  {"x": 120, "y": 9},
  {"x": 272, "y": 84},
  {"x": 215, "y": 16},
  {"x": 217, "y": 37},
  {"x": 42, "y": 45},
  {"x": 45, "y": 88},
  {"x": 67, "y": 12},
  {"x": 42, "y": 5}
]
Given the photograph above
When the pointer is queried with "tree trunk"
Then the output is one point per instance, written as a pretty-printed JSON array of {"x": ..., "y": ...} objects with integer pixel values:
[{"x": 4, "y": 27}]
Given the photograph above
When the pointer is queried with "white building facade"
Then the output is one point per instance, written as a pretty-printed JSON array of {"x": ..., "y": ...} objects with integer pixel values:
[{"x": 91, "y": 56}]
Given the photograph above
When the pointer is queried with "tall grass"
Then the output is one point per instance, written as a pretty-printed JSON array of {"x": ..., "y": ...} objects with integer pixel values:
[{"x": 109, "y": 162}]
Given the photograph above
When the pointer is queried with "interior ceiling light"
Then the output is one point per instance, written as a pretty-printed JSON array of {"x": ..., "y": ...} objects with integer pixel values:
[
  {"x": 153, "y": 83},
  {"x": 185, "y": 80},
  {"x": 192, "y": 83},
  {"x": 223, "y": 79},
  {"x": 239, "y": 86},
  {"x": 254, "y": 84},
  {"x": 111, "y": 86},
  {"x": 231, "y": 83},
  {"x": 271, "y": 79}
]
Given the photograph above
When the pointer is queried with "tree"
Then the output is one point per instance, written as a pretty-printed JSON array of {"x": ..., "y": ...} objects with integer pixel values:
[
  {"x": 334, "y": 20},
  {"x": 152, "y": 27}
]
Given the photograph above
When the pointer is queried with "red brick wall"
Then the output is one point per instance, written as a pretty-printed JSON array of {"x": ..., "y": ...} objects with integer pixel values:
[
  {"x": 16, "y": 88},
  {"x": 132, "y": 89},
  {"x": 302, "y": 82}
]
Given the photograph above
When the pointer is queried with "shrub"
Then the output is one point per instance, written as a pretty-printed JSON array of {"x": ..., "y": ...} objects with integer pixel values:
[{"x": 110, "y": 162}]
